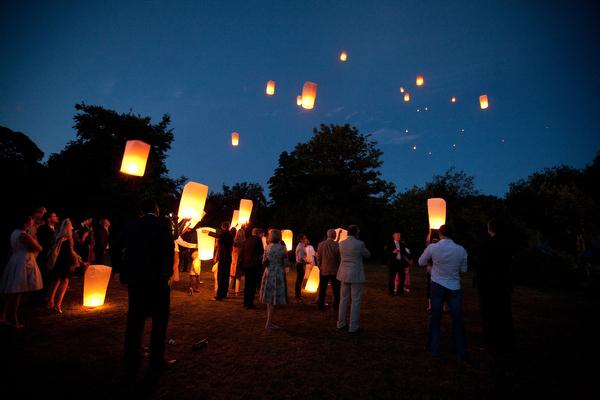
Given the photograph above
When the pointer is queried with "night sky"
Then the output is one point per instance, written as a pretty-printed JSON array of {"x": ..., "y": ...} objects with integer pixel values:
[{"x": 207, "y": 64}]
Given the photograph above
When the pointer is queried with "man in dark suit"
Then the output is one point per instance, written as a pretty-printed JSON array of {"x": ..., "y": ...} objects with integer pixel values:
[
  {"x": 101, "y": 243},
  {"x": 224, "y": 247},
  {"x": 143, "y": 256},
  {"x": 398, "y": 258},
  {"x": 250, "y": 260},
  {"x": 328, "y": 260}
]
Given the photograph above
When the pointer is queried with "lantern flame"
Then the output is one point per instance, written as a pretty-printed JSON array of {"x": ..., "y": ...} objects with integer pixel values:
[
  {"x": 483, "y": 101},
  {"x": 309, "y": 95},
  {"x": 453, "y": 99},
  {"x": 135, "y": 157},
  {"x": 436, "y": 208},
  {"x": 407, "y": 97},
  {"x": 270, "y": 88},
  {"x": 298, "y": 100},
  {"x": 343, "y": 56},
  {"x": 401, "y": 89}
]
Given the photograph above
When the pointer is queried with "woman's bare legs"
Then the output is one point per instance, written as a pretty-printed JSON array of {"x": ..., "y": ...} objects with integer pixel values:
[
  {"x": 52, "y": 292},
  {"x": 61, "y": 294}
]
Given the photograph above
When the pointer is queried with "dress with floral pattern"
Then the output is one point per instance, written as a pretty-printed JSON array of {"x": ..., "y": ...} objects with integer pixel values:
[{"x": 273, "y": 288}]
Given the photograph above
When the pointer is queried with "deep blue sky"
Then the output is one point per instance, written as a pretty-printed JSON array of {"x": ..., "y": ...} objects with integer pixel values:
[{"x": 207, "y": 63}]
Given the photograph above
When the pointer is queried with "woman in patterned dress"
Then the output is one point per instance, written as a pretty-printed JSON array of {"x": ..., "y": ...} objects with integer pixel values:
[{"x": 273, "y": 288}]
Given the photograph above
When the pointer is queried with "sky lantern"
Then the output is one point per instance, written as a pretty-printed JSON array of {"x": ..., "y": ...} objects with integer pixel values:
[
  {"x": 95, "y": 282},
  {"x": 235, "y": 218},
  {"x": 343, "y": 56},
  {"x": 309, "y": 95},
  {"x": 420, "y": 80},
  {"x": 341, "y": 234},
  {"x": 192, "y": 202},
  {"x": 235, "y": 139},
  {"x": 401, "y": 89},
  {"x": 483, "y": 101},
  {"x": 206, "y": 243},
  {"x": 244, "y": 211},
  {"x": 298, "y": 100},
  {"x": 436, "y": 207},
  {"x": 135, "y": 157},
  {"x": 406, "y": 97},
  {"x": 270, "y": 88},
  {"x": 288, "y": 237},
  {"x": 312, "y": 284},
  {"x": 453, "y": 99}
]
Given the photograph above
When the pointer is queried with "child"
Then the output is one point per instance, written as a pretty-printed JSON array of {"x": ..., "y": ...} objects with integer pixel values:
[{"x": 194, "y": 274}]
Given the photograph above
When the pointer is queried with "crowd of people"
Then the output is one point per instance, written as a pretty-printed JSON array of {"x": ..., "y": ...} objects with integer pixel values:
[{"x": 46, "y": 252}]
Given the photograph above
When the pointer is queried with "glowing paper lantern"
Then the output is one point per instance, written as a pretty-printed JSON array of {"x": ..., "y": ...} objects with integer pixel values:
[
  {"x": 235, "y": 218},
  {"x": 343, "y": 56},
  {"x": 192, "y": 202},
  {"x": 298, "y": 100},
  {"x": 244, "y": 211},
  {"x": 287, "y": 236},
  {"x": 453, "y": 99},
  {"x": 95, "y": 283},
  {"x": 483, "y": 101},
  {"x": 309, "y": 95},
  {"x": 235, "y": 139},
  {"x": 436, "y": 207},
  {"x": 401, "y": 89},
  {"x": 312, "y": 284},
  {"x": 341, "y": 234},
  {"x": 420, "y": 80},
  {"x": 135, "y": 157},
  {"x": 407, "y": 97},
  {"x": 270, "y": 88},
  {"x": 206, "y": 244}
]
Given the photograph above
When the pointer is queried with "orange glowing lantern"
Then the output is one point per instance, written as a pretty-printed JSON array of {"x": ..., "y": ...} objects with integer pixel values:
[
  {"x": 235, "y": 139},
  {"x": 341, "y": 234},
  {"x": 270, "y": 88},
  {"x": 192, "y": 202},
  {"x": 436, "y": 207},
  {"x": 420, "y": 80},
  {"x": 206, "y": 243},
  {"x": 135, "y": 157},
  {"x": 298, "y": 100},
  {"x": 483, "y": 101},
  {"x": 343, "y": 56},
  {"x": 453, "y": 99},
  {"x": 235, "y": 218},
  {"x": 244, "y": 211},
  {"x": 95, "y": 282},
  {"x": 312, "y": 284},
  {"x": 406, "y": 97},
  {"x": 287, "y": 236},
  {"x": 309, "y": 95}
]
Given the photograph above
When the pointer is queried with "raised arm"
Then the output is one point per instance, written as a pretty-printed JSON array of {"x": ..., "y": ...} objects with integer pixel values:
[{"x": 425, "y": 257}]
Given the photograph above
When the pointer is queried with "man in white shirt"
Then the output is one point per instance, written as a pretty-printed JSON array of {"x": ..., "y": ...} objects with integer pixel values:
[{"x": 449, "y": 260}]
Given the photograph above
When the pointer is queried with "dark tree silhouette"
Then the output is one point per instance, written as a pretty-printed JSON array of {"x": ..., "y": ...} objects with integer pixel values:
[{"x": 220, "y": 205}]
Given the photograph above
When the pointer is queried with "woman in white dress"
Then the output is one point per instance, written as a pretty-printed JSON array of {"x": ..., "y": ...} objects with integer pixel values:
[
  {"x": 21, "y": 274},
  {"x": 273, "y": 288}
]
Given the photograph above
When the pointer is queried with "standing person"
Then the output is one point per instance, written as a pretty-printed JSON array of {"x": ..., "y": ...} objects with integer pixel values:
[
  {"x": 273, "y": 288},
  {"x": 224, "y": 243},
  {"x": 45, "y": 236},
  {"x": 351, "y": 274},
  {"x": 432, "y": 237},
  {"x": 101, "y": 246},
  {"x": 300, "y": 265},
  {"x": 449, "y": 260},
  {"x": 398, "y": 259},
  {"x": 495, "y": 290},
  {"x": 83, "y": 238},
  {"x": 237, "y": 273},
  {"x": 328, "y": 260},
  {"x": 143, "y": 255},
  {"x": 21, "y": 274},
  {"x": 195, "y": 274},
  {"x": 38, "y": 219},
  {"x": 63, "y": 259},
  {"x": 250, "y": 261}
]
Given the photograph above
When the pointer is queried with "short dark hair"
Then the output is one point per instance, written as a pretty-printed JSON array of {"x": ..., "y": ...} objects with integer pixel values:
[
  {"x": 446, "y": 231},
  {"x": 352, "y": 230},
  {"x": 148, "y": 206},
  {"x": 47, "y": 216},
  {"x": 301, "y": 237},
  {"x": 225, "y": 225}
]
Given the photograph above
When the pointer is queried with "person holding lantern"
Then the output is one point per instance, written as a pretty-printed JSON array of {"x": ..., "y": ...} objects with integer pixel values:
[{"x": 224, "y": 247}]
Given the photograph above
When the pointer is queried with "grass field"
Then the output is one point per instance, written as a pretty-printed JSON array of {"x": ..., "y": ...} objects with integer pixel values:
[{"x": 79, "y": 353}]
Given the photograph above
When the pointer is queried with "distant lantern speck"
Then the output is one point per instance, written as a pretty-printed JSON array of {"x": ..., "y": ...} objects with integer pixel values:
[
  {"x": 483, "y": 101},
  {"x": 343, "y": 56},
  {"x": 235, "y": 139},
  {"x": 298, "y": 100},
  {"x": 309, "y": 95},
  {"x": 453, "y": 99},
  {"x": 420, "y": 80},
  {"x": 270, "y": 88},
  {"x": 135, "y": 157}
]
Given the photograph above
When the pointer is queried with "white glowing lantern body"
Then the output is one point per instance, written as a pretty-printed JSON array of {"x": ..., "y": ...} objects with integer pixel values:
[
  {"x": 312, "y": 284},
  {"x": 483, "y": 101},
  {"x": 436, "y": 208},
  {"x": 135, "y": 157},
  {"x": 192, "y": 202},
  {"x": 206, "y": 243},
  {"x": 288, "y": 237},
  {"x": 309, "y": 95},
  {"x": 420, "y": 81},
  {"x": 95, "y": 283},
  {"x": 244, "y": 211},
  {"x": 235, "y": 218},
  {"x": 406, "y": 97},
  {"x": 270, "y": 88},
  {"x": 341, "y": 234},
  {"x": 401, "y": 89},
  {"x": 235, "y": 139}
]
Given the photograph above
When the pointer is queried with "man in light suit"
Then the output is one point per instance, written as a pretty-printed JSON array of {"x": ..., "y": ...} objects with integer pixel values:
[{"x": 352, "y": 276}]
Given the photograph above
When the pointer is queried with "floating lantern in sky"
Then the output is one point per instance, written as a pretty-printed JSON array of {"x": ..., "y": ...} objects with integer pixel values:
[
  {"x": 343, "y": 56},
  {"x": 401, "y": 89},
  {"x": 407, "y": 97},
  {"x": 135, "y": 157},
  {"x": 453, "y": 99},
  {"x": 298, "y": 100},
  {"x": 235, "y": 218},
  {"x": 270, "y": 88},
  {"x": 288, "y": 237},
  {"x": 235, "y": 139},
  {"x": 95, "y": 282},
  {"x": 436, "y": 207},
  {"x": 309, "y": 95},
  {"x": 192, "y": 202},
  {"x": 341, "y": 234},
  {"x": 420, "y": 80},
  {"x": 483, "y": 101},
  {"x": 414, "y": 147},
  {"x": 244, "y": 211},
  {"x": 206, "y": 243},
  {"x": 312, "y": 284}
]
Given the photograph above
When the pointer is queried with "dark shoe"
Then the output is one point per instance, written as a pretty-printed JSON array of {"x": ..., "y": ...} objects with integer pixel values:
[
  {"x": 341, "y": 328},
  {"x": 200, "y": 344}
]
